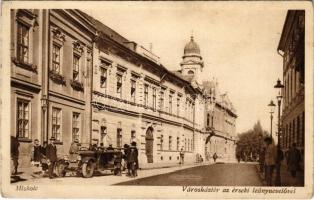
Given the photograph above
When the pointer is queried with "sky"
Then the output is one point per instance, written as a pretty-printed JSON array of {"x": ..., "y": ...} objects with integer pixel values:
[{"x": 238, "y": 45}]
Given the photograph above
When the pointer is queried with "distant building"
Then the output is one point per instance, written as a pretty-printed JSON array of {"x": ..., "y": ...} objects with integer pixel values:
[
  {"x": 291, "y": 48},
  {"x": 220, "y": 123}
]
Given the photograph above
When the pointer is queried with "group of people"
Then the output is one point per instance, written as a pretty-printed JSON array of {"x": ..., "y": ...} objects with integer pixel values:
[
  {"x": 130, "y": 158},
  {"x": 44, "y": 156},
  {"x": 271, "y": 157}
]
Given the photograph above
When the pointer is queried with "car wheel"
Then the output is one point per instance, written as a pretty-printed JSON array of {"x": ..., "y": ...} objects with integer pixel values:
[
  {"x": 60, "y": 169},
  {"x": 88, "y": 169}
]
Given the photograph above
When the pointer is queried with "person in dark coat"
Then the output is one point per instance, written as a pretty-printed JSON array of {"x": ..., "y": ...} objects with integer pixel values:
[
  {"x": 126, "y": 149},
  {"x": 293, "y": 160},
  {"x": 133, "y": 158},
  {"x": 36, "y": 153},
  {"x": 15, "y": 153},
  {"x": 44, "y": 164},
  {"x": 181, "y": 156},
  {"x": 215, "y": 157},
  {"x": 51, "y": 154},
  {"x": 43, "y": 148}
]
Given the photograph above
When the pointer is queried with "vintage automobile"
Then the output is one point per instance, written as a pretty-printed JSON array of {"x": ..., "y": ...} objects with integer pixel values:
[{"x": 87, "y": 161}]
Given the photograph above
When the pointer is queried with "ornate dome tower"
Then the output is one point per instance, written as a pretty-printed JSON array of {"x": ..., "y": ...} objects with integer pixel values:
[{"x": 192, "y": 64}]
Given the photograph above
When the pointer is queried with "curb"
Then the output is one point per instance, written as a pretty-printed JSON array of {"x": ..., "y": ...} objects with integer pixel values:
[{"x": 171, "y": 166}]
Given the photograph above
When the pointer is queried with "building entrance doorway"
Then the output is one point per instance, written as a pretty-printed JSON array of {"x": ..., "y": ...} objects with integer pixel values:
[{"x": 149, "y": 146}]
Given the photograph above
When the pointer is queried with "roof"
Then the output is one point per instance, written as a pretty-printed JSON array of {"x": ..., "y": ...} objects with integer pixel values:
[
  {"x": 186, "y": 78},
  {"x": 288, "y": 25},
  {"x": 106, "y": 30},
  {"x": 125, "y": 42}
]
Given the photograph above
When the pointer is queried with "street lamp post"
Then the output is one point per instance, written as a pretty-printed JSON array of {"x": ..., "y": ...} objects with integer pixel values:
[
  {"x": 272, "y": 109},
  {"x": 279, "y": 98}
]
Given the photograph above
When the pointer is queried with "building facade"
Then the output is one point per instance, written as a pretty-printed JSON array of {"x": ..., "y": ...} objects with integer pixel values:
[
  {"x": 85, "y": 81},
  {"x": 51, "y": 55},
  {"x": 291, "y": 48},
  {"x": 220, "y": 123}
]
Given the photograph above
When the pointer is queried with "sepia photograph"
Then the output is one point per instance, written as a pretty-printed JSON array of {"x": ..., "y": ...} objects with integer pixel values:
[{"x": 176, "y": 99}]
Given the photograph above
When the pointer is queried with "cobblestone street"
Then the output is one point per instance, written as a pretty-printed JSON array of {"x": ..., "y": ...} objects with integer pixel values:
[{"x": 242, "y": 174}]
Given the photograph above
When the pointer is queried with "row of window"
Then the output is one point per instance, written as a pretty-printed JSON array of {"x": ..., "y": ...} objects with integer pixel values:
[
  {"x": 103, "y": 134},
  {"x": 188, "y": 144},
  {"x": 57, "y": 124},
  {"x": 147, "y": 91},
  {"x": 292, "y": 82},
  {"x": 23, "y": 121},
  {"x": 23, "y": 51},
  {"x": 293, "y": 132},
  {"x": 76, "y": 62}
]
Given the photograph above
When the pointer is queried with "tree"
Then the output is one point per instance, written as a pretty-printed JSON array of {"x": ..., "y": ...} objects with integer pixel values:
[{"x": 250, "y": 142}]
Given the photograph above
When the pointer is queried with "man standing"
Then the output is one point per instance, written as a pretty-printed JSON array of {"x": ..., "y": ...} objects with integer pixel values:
[
  {"x": 51, "y": 154},
  {"x": 215, "y": 157},
  {"x": 43, "y": 159},
  {"x": 126, "y": 149},
  {"x": 293, "y": 160},
  {"x": 270, "y": 159},
  {"x": 181, "y": 156},
  {"x": 15, "y": 153},
  {"x": 133, "y": 159}
]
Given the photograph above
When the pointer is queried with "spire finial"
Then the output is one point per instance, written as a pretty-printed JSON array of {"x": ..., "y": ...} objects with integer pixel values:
[{"x": 192, "y": 36}]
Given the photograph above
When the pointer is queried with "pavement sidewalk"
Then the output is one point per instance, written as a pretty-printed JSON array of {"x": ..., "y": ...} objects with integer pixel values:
[
  {"x": 286, "y": 178},
  {"x": 33, "y": 173}
]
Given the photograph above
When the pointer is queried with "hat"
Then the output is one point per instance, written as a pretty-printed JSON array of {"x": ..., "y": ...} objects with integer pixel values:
[
  {"x": 52, "y": 138},
  {"x": 76, "y": 140},
  {"x": 133, "y": 143}
]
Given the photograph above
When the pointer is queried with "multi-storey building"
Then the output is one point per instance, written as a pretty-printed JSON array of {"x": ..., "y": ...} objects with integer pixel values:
[
  {"x": 291, "y": 48},
  {"x": 26, "y": 73},
  {"x": 83, "y": 80},
  {"x": 51, "y": 53},
  {"x": 135, "y": 98}
]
